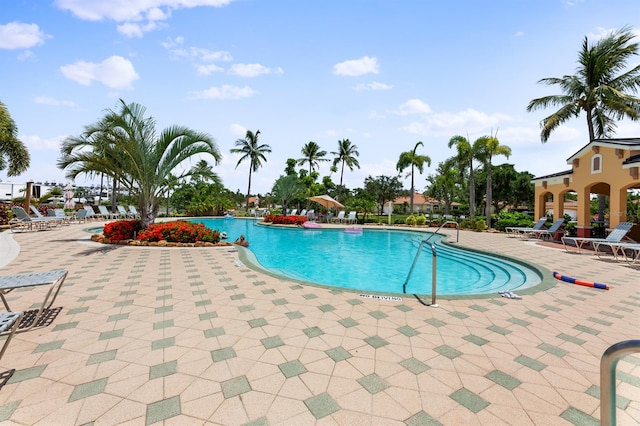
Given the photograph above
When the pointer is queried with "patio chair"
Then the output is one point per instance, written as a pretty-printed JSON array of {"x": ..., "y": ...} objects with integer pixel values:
[
  {"x": 629, "y": 252},
  {"x": 91, "y": 214},
  {"x": 60, "y": 215},
  {"x": 339, "y": 218},
  {"x": 134, "y": 212},
  {"x": 23, "y": 222},
  {"x": 105, "y": 213},
  {"x": 615, "y": 236},
  {"x": 544, "y": 233},
  {"x": 123, "y": 212},
  {"x": 9, "y": 322},
  {"x": 303, "y": 212},
  {"x": 311, "y": 215},
  {"x": 351, "y": 218},
  {"x": 515, "y": 230},
  {"x": 293, "y": 212},
  {"x": 53, "y": 220}
]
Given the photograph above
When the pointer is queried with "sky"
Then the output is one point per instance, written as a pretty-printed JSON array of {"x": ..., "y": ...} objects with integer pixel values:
[{"x": 384, "y": 74}]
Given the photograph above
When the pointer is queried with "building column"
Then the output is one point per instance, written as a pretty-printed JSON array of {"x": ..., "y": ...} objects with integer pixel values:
[
  {"x": 558, "y": 206},
  {"x": 584, "y": 213},
  {"x": 617, "y": 206}
]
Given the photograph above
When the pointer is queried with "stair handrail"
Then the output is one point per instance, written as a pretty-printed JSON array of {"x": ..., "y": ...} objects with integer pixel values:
[{"x": 608, "y": 363}]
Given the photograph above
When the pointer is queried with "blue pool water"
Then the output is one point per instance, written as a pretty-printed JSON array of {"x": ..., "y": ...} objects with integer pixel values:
[{"x": 375, "y": 260}]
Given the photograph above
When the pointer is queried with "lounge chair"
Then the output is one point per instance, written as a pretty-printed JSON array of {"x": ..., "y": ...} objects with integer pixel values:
[
  {"x": 544, "y": 233},
  {"x": 516, "y": 230},
  {"x": 311, "y": 215},
  {"x": 615, "y": 236},
  {"x": 328, "y": 218},
  {"x": 21, "y": 221},
  {"x": 339, "y": 218},
  {"x": 59, "y": 214},
  {"x": 91, "y": 214},
  {"x": 54, "y": 220},
  {"x": 351, "y": 218},
  {"x": 303, "y": 212},
  {"x": 123, "y": 212},
  {"x": 134, "y": 212},
  {"x": 293, "y": 212},
  {"x": 629, "y": 252}
]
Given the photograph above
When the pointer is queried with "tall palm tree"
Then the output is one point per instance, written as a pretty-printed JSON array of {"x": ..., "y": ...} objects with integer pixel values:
[
  {"x": 312, "y": 155},
  {"x": 202, "y": 171},
  {"x": 12, "y": 150},
  {"x": 415, "y": 161},
  {"x": 131, "y": 150},
  {"x": 467, "y": 152},
  {"x": 346, "y": 155},
  {"x": 599, "y": 88},
  {"x": 488, "y": 147},
  {"x": 253, "y": 152}
]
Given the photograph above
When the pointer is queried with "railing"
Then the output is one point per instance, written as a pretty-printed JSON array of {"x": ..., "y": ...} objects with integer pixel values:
[
  {"x": 442, "y": 226},
  {"x": 433, "y": 271},
  {"x": 608, "y": 364}
]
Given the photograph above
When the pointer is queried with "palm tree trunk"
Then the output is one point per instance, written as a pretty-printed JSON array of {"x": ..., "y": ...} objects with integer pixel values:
[
  {"x": 249, "y": 188},
  {"x": 489, "y": 194},
  {"x": 472, "y": 192},
  {"x": 412, "y": 191}
]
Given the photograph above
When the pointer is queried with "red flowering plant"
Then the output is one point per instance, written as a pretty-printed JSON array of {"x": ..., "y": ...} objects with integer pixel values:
[
  {"x": 179, "y": 232},
  {"x": 121, "y": 229},
  {"x": 289, "y": 220}
]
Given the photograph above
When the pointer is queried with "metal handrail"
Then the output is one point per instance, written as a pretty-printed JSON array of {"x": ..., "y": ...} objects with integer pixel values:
[
  {"x": 433, "y": 271},
  {"x": 608, "y": 364},
  {"x": 445, "y": 223}
]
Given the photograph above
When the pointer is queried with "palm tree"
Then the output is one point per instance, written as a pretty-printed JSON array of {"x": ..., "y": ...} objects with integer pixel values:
[
  {"x": 202, "y": 171},
  {"x": 488, "y": 147},
  {"x": 312, "y": 155},
  {"x": 11, "y": 148},
  {"x": 250, "y": 150},
  {"x": 286, "y": 189},
  {"x": 413, "y": 160},
  {"x": 346, "y": 154},
  {"x": 125, "y": 145},
  {"x": 598, "y": 88},
  {"x": 467, "y": 152}
]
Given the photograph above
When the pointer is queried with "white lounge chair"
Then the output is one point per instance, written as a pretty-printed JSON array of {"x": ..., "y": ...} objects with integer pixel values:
[
  {"x": 303, "y": 212},
  {"x": 91, "y": 214},
  {"x": 615, "y": 236},
  {"x": 21, "y": 221},
  {"x": 516, "y": 230},
  {"x": 52, "y": 220},
  {"x": 351, "y": 218},
  {"x": 124, "y": 213},
  {"x": 293, "y": 212},
  {"x": 339, "y": 218},
  {"x": 106, "y": 214},
  {"x": 629, "y": 252},
  {"x": 134, "y": 212}
]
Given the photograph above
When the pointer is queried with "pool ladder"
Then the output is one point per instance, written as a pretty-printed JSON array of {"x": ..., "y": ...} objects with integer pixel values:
[
  {"x": 608, "y": 364},
  {"x": 433, "y": 261}
]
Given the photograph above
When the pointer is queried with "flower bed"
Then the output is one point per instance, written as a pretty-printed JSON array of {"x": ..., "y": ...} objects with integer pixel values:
[
  {"x": 177, "y": 233},
  {"x": 285, "y": 220}
]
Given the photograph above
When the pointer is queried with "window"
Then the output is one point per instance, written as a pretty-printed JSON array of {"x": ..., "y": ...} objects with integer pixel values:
[{"x": 596, "y": 163}]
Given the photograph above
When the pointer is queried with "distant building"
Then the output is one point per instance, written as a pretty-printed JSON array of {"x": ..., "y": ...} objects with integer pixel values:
[{"x": 425, "y": 205}]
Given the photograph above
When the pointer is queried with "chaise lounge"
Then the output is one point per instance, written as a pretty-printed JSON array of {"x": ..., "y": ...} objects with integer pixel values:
[{"x": 615, "y": 236}]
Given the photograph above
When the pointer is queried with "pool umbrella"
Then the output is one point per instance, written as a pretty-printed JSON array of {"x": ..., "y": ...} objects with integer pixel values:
[
  {"x": 326, "y": 201},
  {"x": 68, "y": 197}
]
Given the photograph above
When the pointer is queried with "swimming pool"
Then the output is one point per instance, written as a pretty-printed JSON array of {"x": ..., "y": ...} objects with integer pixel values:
[{"x": 375, "y": 260}]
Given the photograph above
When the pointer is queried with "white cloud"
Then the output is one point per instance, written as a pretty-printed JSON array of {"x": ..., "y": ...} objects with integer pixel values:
[
  {"x": 357, "y": 67},
  {"x": 201, "y": 58},
  {"x": 135, "y": 16},
  {"x": 16, "y": 35},
  {"x": 448, "y": 124},
  {"x": 253, "y": 70},
  {"x": 37, "y": 143},
  {"x": 238, "y": 130},
  {"x": 114, "y": 72},
  {"x": 208, "y": 69},
  {"x": 519, "y": 34},
  {"x": 224, "y": 92},
  {"x": 45, "y": 100},
  {"x": 413, "y": 106},
  {"x": 374, "y": 85}
]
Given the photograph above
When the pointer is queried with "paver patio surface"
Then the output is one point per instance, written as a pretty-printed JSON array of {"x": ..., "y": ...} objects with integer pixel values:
[{"x": 194, "y": 336}]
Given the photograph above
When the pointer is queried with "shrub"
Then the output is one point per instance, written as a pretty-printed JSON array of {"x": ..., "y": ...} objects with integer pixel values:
[
  {"x": 480, "y": 224},
  {"x": 421, "y": 220},
  {"x": 288, "y": 220},
  {"x": 179, "y": 232},
  {"x": 506, "y": 219},
  {"x": 5, "y": 214},
  {"x": 121, "y": 229},
  {"x": 410, "y": 220}
]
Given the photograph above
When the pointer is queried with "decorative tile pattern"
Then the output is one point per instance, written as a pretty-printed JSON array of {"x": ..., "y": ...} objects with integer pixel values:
[
  {"x": 373, "y": 383},
  {"x": 469, "y": 400},
  {"x": 321, "y": 405},
  {"x": 162, "y": 410},
  {"x": 88, "y": 389},
  {"x": 236, "y": 386}
]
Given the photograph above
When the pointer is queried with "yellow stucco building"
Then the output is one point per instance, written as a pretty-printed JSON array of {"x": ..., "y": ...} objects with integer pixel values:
[{"x": 602, "y": 167}]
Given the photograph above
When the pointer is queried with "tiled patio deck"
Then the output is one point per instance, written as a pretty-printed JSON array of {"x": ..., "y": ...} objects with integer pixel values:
[{"x": 192, "y": 336}]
